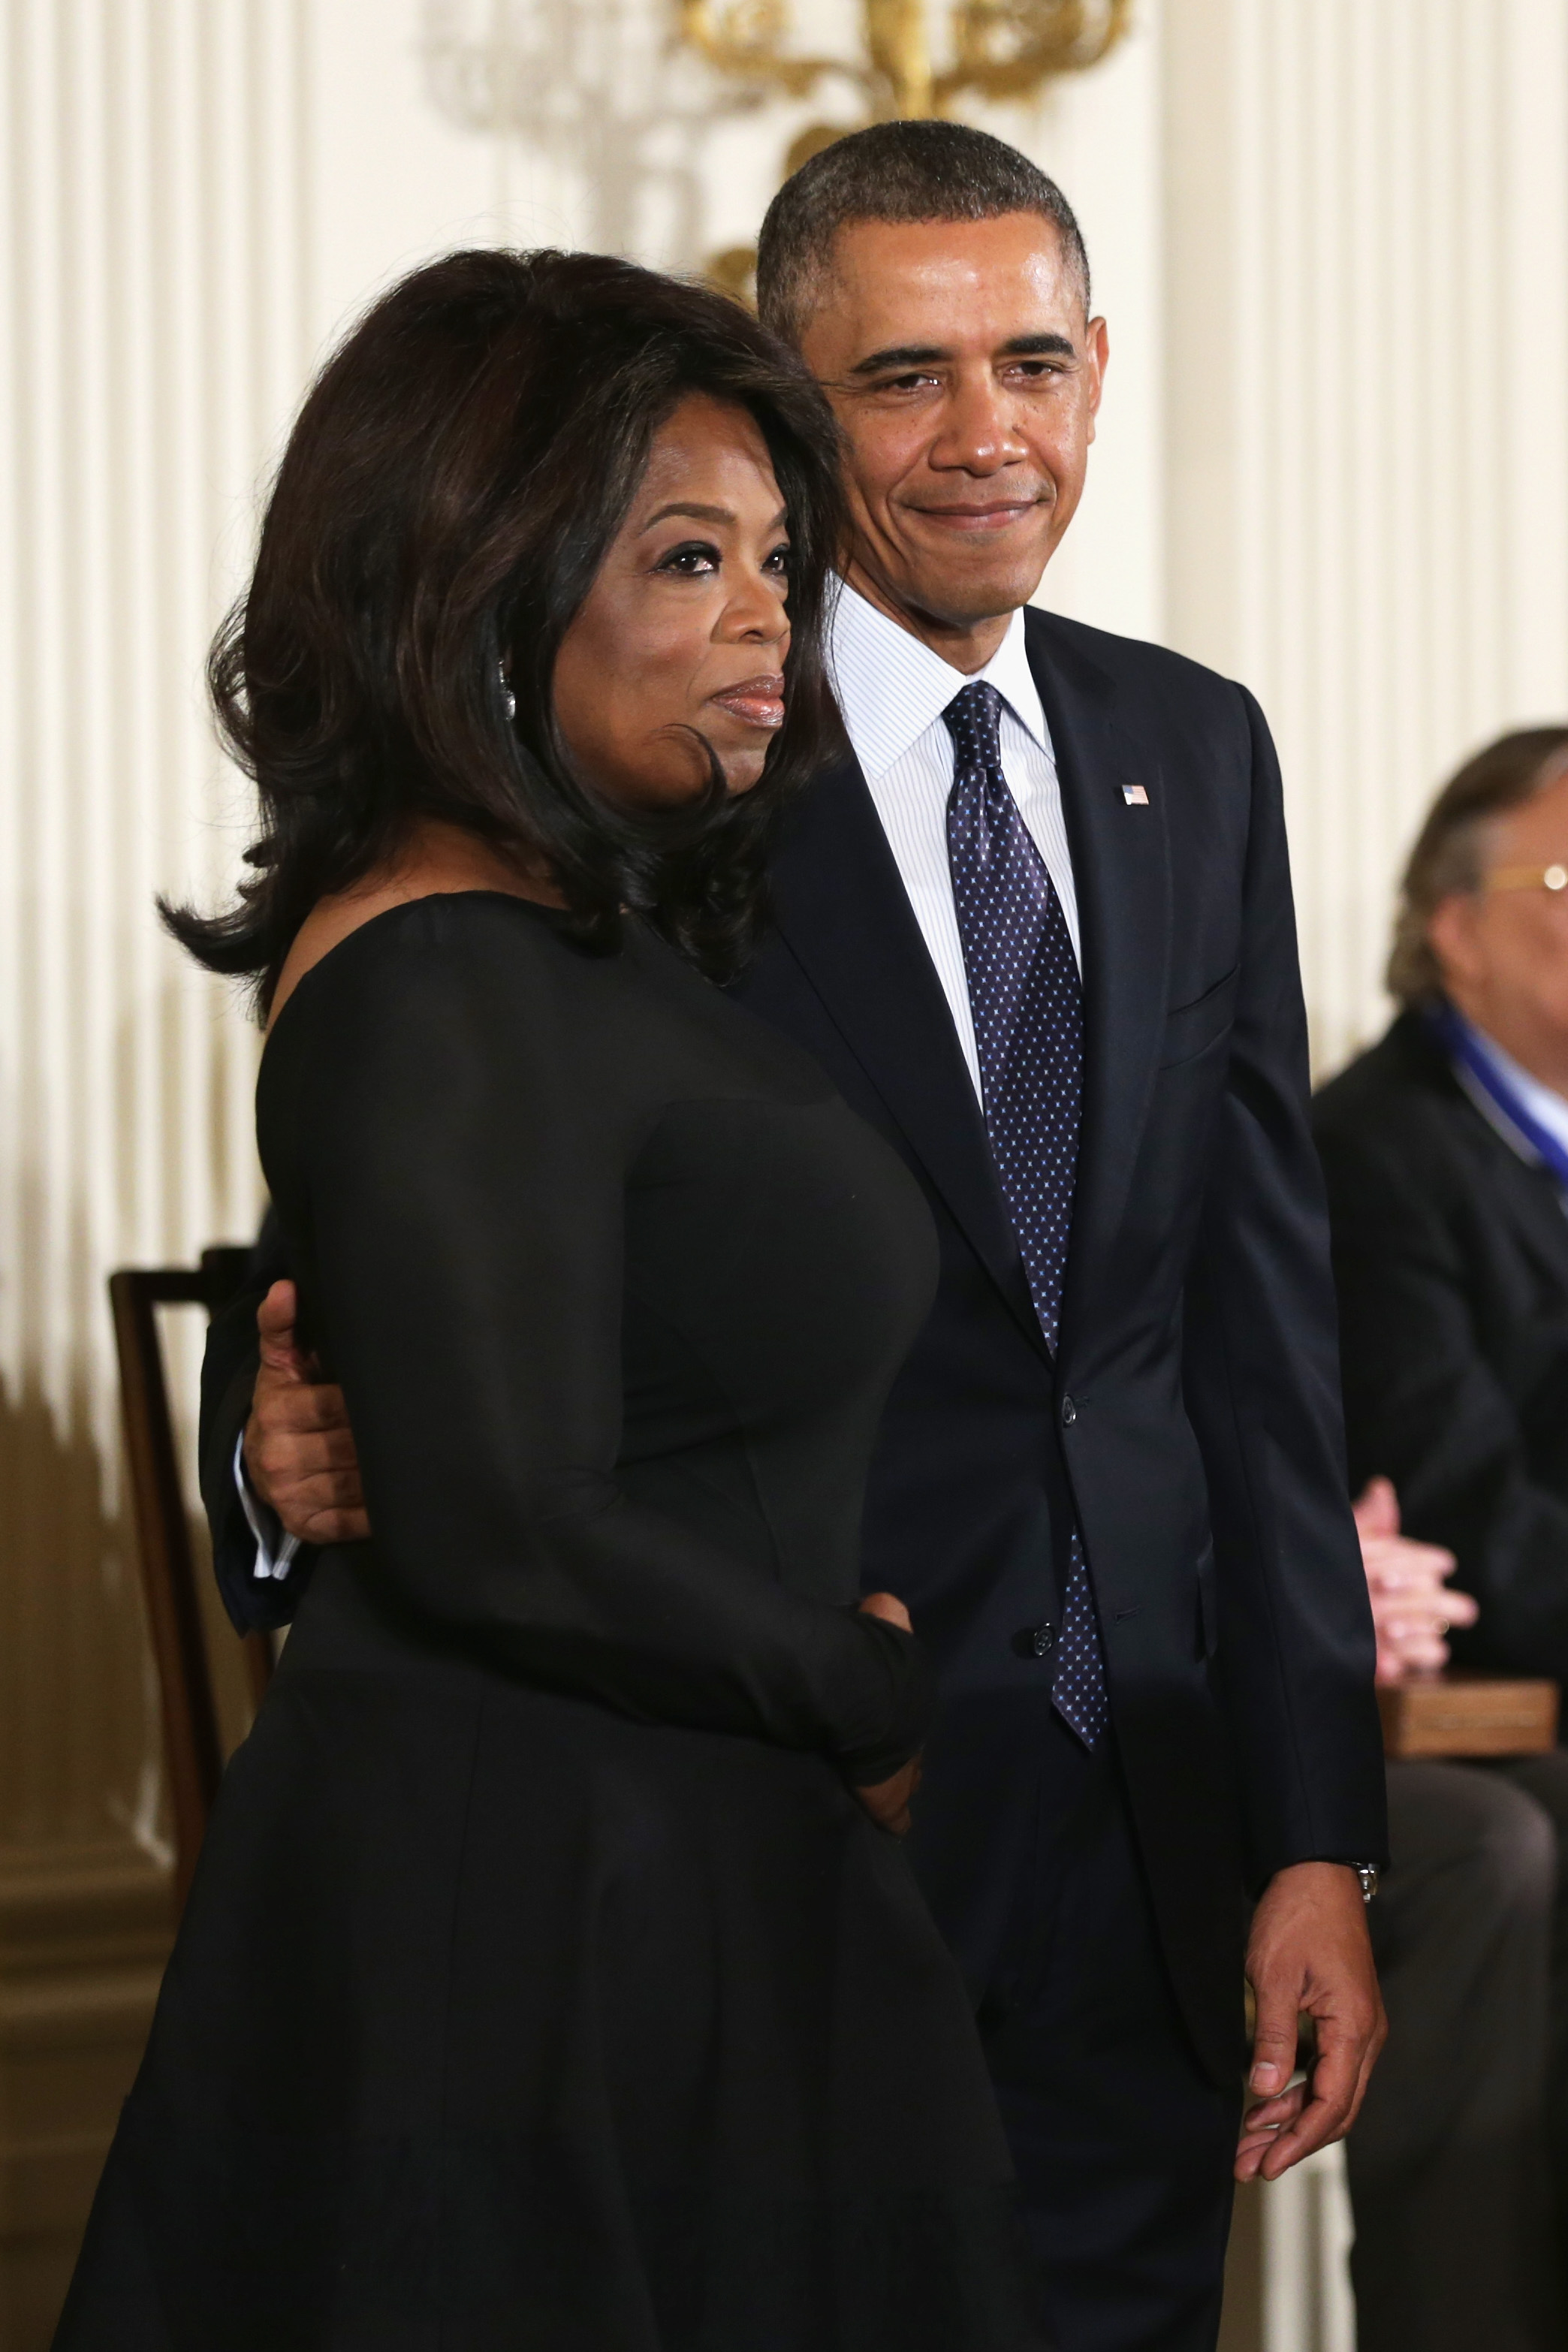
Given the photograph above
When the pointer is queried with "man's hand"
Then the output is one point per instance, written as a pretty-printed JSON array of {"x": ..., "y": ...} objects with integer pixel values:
[
  {"x": 1309, "y": 1954},
  {"x": 888, "y": 1801},
  {"x": 1411, "y": 1606},
  {"x": 299, "y": 1448}
]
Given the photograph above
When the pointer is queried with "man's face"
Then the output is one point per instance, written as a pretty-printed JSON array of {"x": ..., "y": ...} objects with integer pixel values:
[
  {"x": 1504, "y": 950},
  {"x": 963, "y": 370}
]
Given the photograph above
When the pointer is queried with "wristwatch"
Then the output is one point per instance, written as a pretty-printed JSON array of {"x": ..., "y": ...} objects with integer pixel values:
[{"x": 1367, "y": 1872}]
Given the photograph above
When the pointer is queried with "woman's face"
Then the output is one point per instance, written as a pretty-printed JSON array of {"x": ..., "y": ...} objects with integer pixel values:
[{"x": 683, "y": 633}]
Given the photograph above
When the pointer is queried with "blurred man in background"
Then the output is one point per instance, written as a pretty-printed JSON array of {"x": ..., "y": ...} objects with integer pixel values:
[
  {"x": 1455, "y": 2235},
  {"x": 1446, "y": 1149}
]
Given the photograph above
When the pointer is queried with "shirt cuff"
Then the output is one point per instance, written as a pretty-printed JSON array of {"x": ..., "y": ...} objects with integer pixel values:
[{"x": 275, "y": 1550}]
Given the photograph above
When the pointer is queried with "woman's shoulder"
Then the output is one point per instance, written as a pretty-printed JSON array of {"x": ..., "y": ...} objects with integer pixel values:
[
  {"x": 435, "y": 1018},
  {"x": 430, "y": 999},
  {"x": 486, "y": 984},
  {"x": 429, "y": 948}
]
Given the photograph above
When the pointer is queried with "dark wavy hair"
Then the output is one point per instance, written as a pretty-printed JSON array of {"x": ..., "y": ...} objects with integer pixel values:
[{"x": 447, "y": 496}]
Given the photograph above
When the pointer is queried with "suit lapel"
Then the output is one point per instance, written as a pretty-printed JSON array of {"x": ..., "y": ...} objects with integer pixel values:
[
  {"x": 1122, "y": 875},
  {"x": 842, "y": 909},
  {"x": 1530, "y": 1198},
  {"x": 1523, "y": 1190},
  {"x": 843, "y": 912},
  {"x": 1545, "y": 1225}
]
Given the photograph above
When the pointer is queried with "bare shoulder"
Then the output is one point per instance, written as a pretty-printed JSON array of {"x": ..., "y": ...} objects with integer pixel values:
[{"x": 438, "y": 861}]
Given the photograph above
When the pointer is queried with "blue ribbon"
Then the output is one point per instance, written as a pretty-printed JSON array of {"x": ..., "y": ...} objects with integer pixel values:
[{"x": 1458, "y": 1041}]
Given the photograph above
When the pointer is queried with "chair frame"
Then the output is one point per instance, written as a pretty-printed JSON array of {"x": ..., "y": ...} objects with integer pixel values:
[{"x": 192, "y": 1742}]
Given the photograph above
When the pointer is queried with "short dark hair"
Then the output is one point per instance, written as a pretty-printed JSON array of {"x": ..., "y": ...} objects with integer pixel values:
[
  {"x": 453, "y": 483},
  {"x": 896, "y": 171},
  {"x": 1448, "y": 858}
]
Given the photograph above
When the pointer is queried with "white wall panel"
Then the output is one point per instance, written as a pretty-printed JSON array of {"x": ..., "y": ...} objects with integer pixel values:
[
  {"x": 1101, "y": 136},
  {"x": 157, "y": 322},
  {"x": 1367, "y": 244}
]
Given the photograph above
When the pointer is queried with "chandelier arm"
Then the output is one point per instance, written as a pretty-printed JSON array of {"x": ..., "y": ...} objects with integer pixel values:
[
  {"x": 900, "y": 54},
  {"x": 1059, "y": 43},
  {"x": 725, "y": 42}
]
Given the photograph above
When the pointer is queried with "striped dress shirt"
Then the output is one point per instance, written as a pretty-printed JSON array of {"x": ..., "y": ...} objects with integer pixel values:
[{"x": 892, "y": 691}]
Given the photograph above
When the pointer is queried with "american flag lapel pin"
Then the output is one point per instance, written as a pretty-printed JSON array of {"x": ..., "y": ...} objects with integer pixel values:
[{"x": 1135, "y": 796}]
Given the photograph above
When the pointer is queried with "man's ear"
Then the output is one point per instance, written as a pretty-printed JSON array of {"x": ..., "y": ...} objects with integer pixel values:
[
  {"x": 1096, "y": 339},
  {"x": 1452, "y": 937},
  {"x": 1100, "y": 344}
]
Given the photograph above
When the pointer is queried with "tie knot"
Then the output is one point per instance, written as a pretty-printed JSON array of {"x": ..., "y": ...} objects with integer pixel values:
[{"x": 973, "y": 720}]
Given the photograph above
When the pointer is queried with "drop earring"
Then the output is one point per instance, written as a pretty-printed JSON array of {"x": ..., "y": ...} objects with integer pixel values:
[{"x": 507, "y": 698}]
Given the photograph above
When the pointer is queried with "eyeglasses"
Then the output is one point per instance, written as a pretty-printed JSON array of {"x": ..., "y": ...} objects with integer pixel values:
[{"x": 1527, "y": 877}]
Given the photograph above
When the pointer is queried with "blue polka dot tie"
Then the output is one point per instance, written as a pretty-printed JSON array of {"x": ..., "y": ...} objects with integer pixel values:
[{"x": 1027, "y": 1003}]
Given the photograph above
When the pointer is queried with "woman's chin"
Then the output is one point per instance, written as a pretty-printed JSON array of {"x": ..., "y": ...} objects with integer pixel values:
[{"x": 742, "y": 763}]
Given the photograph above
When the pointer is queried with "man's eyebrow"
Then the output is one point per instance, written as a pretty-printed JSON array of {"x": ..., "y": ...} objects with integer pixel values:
[
  {"x": 900, "y": 355},
  {"x": 913, "y": 356}
]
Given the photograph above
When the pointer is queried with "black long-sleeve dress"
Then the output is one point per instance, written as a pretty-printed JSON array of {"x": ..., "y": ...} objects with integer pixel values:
[{"x": 543, "y": 1983}]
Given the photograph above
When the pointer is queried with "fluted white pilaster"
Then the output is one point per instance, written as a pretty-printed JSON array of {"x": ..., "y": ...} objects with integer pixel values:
[
  {"x": 153, "y": 296},
  {"x": 1367, "y": 363}
]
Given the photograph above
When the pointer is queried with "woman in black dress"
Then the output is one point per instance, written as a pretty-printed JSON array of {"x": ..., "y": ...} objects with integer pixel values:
[{"x": 551, "y": 1978}]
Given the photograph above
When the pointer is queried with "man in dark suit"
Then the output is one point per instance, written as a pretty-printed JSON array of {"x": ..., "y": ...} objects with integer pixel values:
[
  {"x": 1445, "y": 1150},
  {"x": 1036, "y": 924}
]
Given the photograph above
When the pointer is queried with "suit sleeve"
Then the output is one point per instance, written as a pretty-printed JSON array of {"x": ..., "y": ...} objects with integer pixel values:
[
  {"x": 1425, "y": 1409},
  {"x": 1262, "y": 1386},
  {"x": 464, "y": 1137}
]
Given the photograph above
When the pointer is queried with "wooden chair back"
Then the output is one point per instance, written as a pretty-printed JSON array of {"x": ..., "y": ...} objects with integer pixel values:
[{"x": 192, "y": 1740}]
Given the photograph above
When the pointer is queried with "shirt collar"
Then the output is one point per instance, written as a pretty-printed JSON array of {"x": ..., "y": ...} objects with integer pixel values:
[
  {"x": 890, "y": 688},
  {"x": 1548, "y": 1108}
]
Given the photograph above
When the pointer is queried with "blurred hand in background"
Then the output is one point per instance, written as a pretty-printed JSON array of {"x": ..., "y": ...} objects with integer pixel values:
[{"x": 1413, "y": 1608}]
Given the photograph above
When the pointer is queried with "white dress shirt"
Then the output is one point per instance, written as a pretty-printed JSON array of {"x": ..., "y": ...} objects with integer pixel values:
[{"x": 892, "y": 691}]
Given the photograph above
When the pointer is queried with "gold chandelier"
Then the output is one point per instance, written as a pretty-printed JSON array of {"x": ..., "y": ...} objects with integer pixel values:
[
  {"x": 1000, "y": 48},
  {"x": 996, "y": 49}
]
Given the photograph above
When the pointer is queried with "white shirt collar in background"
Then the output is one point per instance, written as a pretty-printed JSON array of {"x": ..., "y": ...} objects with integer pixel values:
[{"x": 1545, "y": 1105}]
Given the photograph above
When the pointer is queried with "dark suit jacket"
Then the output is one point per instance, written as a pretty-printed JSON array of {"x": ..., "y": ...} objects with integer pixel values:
[
  {"x": 1451, "y": 1257},
  {"x": 1193, "y": 1419}
]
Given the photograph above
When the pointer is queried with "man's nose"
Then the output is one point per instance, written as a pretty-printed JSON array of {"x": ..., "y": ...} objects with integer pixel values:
[{"x": 978, "y": 431}]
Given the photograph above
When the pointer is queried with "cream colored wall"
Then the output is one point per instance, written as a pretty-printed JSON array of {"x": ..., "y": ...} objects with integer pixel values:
[
  {"x": 151, "y": 279},
  {"x": 1330, "y": 236},
  {"x": 1366, "y": 361}
]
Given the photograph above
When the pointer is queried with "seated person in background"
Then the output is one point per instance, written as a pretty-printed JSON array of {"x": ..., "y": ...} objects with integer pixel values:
[
  {"x": 1445, "y": 1153},
  {"x": 1455, "y": 2243},
  {"x": 1445, "y": 1150}
]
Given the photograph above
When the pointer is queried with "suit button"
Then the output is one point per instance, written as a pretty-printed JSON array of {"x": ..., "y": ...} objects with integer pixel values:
[
  {"x": 1069, "y": 1412},
  {"x": 1034, "y": 1640}
]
